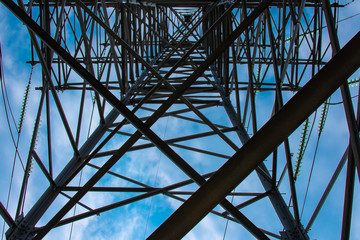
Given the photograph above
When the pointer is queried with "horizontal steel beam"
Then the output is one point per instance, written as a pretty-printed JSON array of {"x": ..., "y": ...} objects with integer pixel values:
[
  {"x": 265, "y": 141},
  {"x": 177, "y": 3}
]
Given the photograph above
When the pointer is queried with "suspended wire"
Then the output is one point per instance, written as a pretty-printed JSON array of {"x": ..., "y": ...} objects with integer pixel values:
[
  {"x": 337, "y": 21},
  {"x": 8, "y": 111},
  {"x": 6, "y": 98},
  {"x": 72, "y": 223},
  {"x": 337, "y": 103},
  {"x": 352, "y": 83},
  {"x": 310, "y": 175},
  {"x": 324, "y": 113},
  {"x": 25, "y": 102},
  {"x": 322, "y": 121},
  {"x": 35, "y": 135},
  {"x": 347, "y": 18},
  {"x": 7, "y": 107},
  {"x": 321, "y": 126},
  {"x": 1, "y": 80},
  {"x": 303, "y": 147},
  {"x": 155, "y": 181},
  {"x": 81, "y": 172},
  {"x": 323, "y": 117},
  {"x": 227, "y": 220},
  {"x": 22, "y": 117},
  {"x": 92, "y": 113}
]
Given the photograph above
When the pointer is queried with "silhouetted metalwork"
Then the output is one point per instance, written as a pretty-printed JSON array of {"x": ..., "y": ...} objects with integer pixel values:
[{"x": 205, "y": 83}]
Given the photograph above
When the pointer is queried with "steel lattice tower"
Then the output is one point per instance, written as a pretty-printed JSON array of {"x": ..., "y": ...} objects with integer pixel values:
[{"x": 186, "y": 109}]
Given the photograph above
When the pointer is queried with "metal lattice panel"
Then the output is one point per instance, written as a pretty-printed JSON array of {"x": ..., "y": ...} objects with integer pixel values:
[{"x": 153, "y": 114}]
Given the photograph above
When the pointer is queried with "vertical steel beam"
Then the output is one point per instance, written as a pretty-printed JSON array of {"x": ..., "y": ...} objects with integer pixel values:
[
  {"x": 348, "y": 199},
  {"x": 345, "y": 92},
  {"x": 279, "y": 104}
]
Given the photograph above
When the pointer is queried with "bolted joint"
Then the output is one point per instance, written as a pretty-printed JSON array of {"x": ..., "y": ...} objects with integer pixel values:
[
  {"x": 22, "y": 231},
  {"x": 294, "y": 234}
]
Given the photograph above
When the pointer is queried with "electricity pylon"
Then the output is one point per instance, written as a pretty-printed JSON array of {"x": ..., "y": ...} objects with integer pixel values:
[{"x": 185, "y": 107}]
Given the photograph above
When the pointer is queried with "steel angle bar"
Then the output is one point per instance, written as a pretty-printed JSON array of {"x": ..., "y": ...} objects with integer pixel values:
[
  {"x": 113, "y": 35},
  {"x": 349, "y": 197},
  {"x": 45, "y": 65},
  {"x": 80, "y": 203},
  {"x": 293, "y": 40},
  {"x": 196, "y": 111},
  {"x": 212, "y": 211},
  {"x": 250, "y": 67},
  {"x": 176, "y": 114},
  {"x": 252, "y": 200},
  {"x": 110, "y": 189},
  {"x": 45, "y": 61},
  {"x": 169, "y": 44},
  {"x": 283, "y": 123},
  {"x": 88, "y": 60},
  {"x": 154, "y": 191},
  {"x": 144, "y": 188},
  {"x": 6, "y": 216},
  {"x": 129, "y": 49},
  {"x": 42, "y": 167},
  {"x": 328, "y": 189},
  {"x": 112, "y": 48},
  {"x": 149, "y": 192},
  {"x": 186, "y": 138},
  {"x": 187, "y": 54},
  {"x": 195, "y": 33},
  {"x": 198, "y": 43},
  {"x": 247, "y": 194},
  {"x": 226, "y": 203},
  {"x": 50, "y": 84},
  {"x": 349, "y": 187},
  {"x": 277, "y": 105},
  {"x": 172, "y": 141},
  {"x": 203, "y": 118},
  {"x": 219, "y": 155}
]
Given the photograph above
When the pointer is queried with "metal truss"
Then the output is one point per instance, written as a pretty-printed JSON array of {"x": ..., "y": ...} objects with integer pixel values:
[{"x": 167, "y": 103}]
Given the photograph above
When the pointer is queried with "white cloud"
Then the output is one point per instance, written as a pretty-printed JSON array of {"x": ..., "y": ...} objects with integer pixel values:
[{"x": 208, "y": 228}]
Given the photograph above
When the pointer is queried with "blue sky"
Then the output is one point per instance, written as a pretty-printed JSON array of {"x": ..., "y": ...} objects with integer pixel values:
[{"x": 140, "y": 219}]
